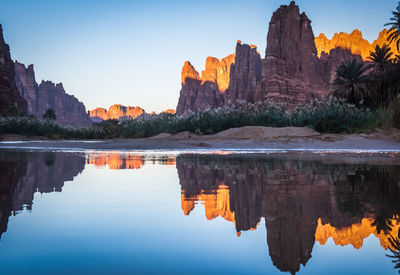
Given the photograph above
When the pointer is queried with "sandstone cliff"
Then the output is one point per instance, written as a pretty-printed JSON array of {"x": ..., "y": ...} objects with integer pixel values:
[
  {"x": 290, "y": 71},
  {"x": 116, "y": 111},
  {"x": 69, "y": 110},
  {"x": 10, "y": 100},
  {"x": 354, "y": 42},
  {"x": 222, "y": 82}
]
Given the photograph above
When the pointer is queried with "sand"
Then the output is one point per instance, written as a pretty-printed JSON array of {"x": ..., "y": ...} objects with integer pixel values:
[{"x": 244, "y": 138}]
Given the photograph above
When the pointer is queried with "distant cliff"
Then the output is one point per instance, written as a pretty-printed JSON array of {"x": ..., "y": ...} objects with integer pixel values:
[
  {"x": 10, "y": 100},
  {"x": 47, "y": 95},
  {"x": 297, "y": 68},
  {"x": 116, "y": 111},
  {"x": 353, "y": 42}
]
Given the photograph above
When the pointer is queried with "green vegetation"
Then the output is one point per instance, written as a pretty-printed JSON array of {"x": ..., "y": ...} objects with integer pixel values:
[
  {"x": 329, "y": 116},
  {"x": 49, "y": 114}
]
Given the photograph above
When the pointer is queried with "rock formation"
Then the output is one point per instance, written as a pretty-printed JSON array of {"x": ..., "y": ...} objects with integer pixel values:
[
  {"x": 11, "y": 103},
  {"x": 244, "y": 74},
  {"x": 222, "y": 81},
  {"x": 354, "y": 42},
  {"x": 69, "y": 110},
  {"x": 290, "y": 71},
  {"x": 297, "y": 68},
  {"x": 116, "y": 111},
  {"x": 329, "y": 62}
]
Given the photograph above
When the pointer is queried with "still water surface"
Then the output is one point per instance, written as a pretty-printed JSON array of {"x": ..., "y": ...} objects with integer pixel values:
[{"x": 112, "y": 213}]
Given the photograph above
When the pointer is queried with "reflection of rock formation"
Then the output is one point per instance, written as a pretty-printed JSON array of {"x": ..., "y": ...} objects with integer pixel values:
[
  {"x": 116, "y": 161},
  {"x": 23, "y": 174},
  {"x": 301, "y": 201}
]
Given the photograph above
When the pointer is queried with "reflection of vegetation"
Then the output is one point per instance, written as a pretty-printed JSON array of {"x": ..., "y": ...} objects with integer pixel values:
[
  {"x": 395, "y": 242},
  {"x": 350, "y": 203},
  {"x": 383, "y": 224}
]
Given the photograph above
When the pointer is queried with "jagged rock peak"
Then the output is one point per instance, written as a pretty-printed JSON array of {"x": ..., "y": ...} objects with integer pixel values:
[
  {"x": 188, "y": 71},
  {"x": 11, "y": 102},
  {"x": 69, "y": 110},
  {"x": 116, "y": 111},
  {"x": 353, "y": 42}
]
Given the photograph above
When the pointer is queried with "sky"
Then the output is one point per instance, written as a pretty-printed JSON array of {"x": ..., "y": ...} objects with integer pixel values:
[{"x": 132, "y": 52}]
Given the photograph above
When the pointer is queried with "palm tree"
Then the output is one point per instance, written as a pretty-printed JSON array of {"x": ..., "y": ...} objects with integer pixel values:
[
  {"x": 49, "y": 114},
  {"x": 394, "y": 31},
  {"x": 381, "y": 59},
  {"x": 350, "y": 81}
]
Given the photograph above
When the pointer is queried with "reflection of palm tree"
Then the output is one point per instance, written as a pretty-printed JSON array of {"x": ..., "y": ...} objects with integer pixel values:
[
  {"x": 350, "y": 203},
  {"x": 383, "y": 224},
  {"x": 395, "y": 249}
]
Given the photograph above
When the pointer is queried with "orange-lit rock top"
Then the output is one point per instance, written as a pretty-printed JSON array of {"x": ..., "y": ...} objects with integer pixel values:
[
  {"x": 169, "y": 111},
  {"x": 216, "y": 71},
  {"x": 116, "y": 161},
  {"x": 355, "y": 234},
  {"x": 116, "y": 111},
  {"x": 353, "y": 42},
  {"x": 188, "y": 71}
]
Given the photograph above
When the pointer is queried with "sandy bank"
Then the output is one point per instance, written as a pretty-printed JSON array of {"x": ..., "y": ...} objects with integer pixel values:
[{"x": 245, "y": 138}]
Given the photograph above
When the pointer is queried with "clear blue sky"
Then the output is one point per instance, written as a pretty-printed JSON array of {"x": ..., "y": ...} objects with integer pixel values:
[{"x": 132, "y": 52}]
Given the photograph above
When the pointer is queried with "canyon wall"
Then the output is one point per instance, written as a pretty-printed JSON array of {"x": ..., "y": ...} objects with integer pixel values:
[
  {"x": 222, "y": 82},
  {"x": 47, "y": 95},
  {"x": 354, "y": 42},
  {"x": 297, "y": 68},
  {"x": 11, "y": 103}
]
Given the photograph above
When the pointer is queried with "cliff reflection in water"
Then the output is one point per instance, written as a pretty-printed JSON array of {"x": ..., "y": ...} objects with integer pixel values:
[
  {"x": 301, "y": 201},
  {"x": 22, "y": 174}
]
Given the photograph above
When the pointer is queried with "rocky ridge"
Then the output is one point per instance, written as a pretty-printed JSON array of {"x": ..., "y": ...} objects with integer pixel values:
[
  {"x": 11, "y": 103},
  {"x": 354, "y": 42},
  {"x": 48, "y": 95},
  {"x": 297, "y": 68},
  {"x": 116, "y": 111}
]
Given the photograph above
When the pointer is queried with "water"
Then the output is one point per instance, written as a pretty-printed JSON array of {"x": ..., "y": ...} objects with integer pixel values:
[{"x": 113, "y": 212}]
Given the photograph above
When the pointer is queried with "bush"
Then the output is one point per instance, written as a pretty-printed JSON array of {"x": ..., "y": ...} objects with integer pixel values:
[{"x": 329, "y": 116}]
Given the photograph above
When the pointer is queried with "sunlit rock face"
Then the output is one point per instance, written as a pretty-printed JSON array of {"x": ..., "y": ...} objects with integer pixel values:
[
  {"x": 301, "y": 201},
  {"x": 222, "y": 82},
  {"x": 354, "y": 42},
  {"x": 116, "y": 111},
  {"x": 198, "y": 93},
  {"x": 11, "y": 102},
  {"x": 69, "y": 110}
]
